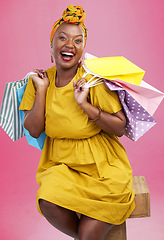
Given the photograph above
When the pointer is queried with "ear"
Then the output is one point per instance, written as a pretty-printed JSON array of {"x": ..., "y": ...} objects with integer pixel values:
[
  {"x": 52, "y": 60},
  {"x": 80, "y": 62}
]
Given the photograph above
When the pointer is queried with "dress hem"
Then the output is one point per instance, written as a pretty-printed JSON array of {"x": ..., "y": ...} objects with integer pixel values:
[{"x": 128, "y": 213}]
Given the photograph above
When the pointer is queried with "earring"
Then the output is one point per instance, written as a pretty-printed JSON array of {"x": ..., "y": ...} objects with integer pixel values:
[
  {"x": 52, "y": 60},
  {"x": 80, "y": 62}
]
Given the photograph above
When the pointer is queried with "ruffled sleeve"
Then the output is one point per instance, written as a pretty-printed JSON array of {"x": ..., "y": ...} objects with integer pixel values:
[
  {"x": 107, "y": 100},
  {"x": 28, "y": 96}
]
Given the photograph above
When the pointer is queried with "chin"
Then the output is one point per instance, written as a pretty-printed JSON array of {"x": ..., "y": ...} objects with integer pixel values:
[{"x": 68, "y": 65}]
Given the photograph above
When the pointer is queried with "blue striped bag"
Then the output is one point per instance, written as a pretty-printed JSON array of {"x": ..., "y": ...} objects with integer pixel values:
[
  {"x": 35, "y": 142},
  {"x": 11, "y": 118}
]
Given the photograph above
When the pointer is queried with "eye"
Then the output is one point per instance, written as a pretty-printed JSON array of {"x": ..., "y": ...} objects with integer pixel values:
[
  {"x": 78, "y": 40},
  {"x": 62, "y": 38}
]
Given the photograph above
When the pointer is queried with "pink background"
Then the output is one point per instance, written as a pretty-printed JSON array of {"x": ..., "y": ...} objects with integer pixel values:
[{"x": 133, "y": 29}]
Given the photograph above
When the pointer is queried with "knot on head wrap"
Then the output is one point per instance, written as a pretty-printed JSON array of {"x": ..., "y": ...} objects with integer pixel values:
[{"x": 74, "y": 15}]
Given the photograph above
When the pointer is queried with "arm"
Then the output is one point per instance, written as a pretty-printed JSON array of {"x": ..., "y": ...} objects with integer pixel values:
[
  {"x": 110, "y": 123},
  {"x": 34, "y": 119}
]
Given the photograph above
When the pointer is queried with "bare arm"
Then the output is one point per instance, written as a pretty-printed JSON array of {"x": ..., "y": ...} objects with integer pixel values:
[
  {"x": 110, "y": 123},
  {"x": 34, "y": 119}
]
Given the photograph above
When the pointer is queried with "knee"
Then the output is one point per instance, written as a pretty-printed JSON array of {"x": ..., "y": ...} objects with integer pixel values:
[
  {"x": 46, "y": 207},
  {"x": 93, "y": 231},
  {"x": 87, "y": 234}
]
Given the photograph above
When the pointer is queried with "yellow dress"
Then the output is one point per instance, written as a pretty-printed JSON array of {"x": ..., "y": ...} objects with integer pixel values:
[{"x": 82, "y": 168}]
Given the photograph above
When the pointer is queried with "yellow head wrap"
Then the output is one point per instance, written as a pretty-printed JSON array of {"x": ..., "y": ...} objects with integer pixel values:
[{"x": 74, "y": 15}]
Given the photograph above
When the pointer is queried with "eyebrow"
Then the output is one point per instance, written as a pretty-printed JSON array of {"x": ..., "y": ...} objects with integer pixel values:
[{"x": 79, "y": 35}]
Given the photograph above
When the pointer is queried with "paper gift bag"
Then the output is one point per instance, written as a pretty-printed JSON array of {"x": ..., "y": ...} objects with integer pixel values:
[
  {"x": 35, "y": 142},
  {"x": 114, "y": 67},
  {"x": 11, "y": 118},
  {"x": 9, "y": 115},
  {"x": 138, "y": 120},
  {"x": 146, "y": 95}
]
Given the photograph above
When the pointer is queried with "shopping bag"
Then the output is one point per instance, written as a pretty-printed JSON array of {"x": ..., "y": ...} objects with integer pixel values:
[
  {"x": 146, "y": 95},
  {"x": 114, "y": 67},
  {"x": 135, "y": 101},
  {"x": 138, "y": 120},
  {"x": 9, "y": 115},
  {"x": 35, "y": 142},
  {"x": 11, "y": 118}
]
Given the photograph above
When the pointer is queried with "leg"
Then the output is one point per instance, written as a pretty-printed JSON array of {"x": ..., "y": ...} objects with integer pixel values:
[
  {"x": 92, "y": 229},
  {"x": 63, "y": 219}
]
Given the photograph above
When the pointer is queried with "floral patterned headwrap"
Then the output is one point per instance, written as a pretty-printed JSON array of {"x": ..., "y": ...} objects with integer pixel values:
[{"x": 74, "y": 15}]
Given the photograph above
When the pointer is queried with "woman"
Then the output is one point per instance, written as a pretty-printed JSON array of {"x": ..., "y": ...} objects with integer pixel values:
[{"x": 83, "y": 167}]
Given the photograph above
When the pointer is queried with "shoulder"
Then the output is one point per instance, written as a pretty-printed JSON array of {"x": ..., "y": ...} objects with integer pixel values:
[
  {"x": 103, "y": 90},
  {"x": 81, "y": 73},
  {"x": 51, "y": 72}
]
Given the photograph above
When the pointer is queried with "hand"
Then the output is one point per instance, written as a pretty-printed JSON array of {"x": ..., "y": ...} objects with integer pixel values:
[
  {"x": 41, "y": 80},
  {"x": 80, "y": 93}
]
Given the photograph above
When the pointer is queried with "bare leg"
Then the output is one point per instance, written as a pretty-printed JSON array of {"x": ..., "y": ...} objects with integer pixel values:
[
  {"x": 92, "y": 229},
  {"x": 63, "y": 219},
  {"x": 67, "y": 222}
]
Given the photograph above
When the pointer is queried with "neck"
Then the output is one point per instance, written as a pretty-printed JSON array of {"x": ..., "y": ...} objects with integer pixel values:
[{"x": 64, "y": 76}]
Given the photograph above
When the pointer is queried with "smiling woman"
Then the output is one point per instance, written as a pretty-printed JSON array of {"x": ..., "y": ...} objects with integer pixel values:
[
  {"x": 68, "y": 46},
  {"x": 83, "y": 167}
]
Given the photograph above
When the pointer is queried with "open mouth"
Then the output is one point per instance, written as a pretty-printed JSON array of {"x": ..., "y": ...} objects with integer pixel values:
[{"x": 67, "y": 56}]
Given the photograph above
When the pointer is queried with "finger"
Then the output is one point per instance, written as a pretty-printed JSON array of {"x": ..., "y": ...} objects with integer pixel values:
[
  {"x": 81, "y": 82},
  {"x": 40, "y": 74},
  {"x": 44, "y": 74},
  {"x": 75, "y": 85},
  {"x": 80, "y": 85},
  {"x": 39, "y": 70}
]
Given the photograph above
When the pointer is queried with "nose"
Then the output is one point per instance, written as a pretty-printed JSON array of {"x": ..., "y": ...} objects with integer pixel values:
[{"x": 69, "y": 43}]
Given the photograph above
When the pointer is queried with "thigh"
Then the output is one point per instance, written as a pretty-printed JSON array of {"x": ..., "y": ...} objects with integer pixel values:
[
  {"x": 61, "y": 218},
  {"x": 92, "y": 229}
]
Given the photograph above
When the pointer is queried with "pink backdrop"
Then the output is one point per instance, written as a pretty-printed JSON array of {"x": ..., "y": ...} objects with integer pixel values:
[{"x": 133, "y": 29}]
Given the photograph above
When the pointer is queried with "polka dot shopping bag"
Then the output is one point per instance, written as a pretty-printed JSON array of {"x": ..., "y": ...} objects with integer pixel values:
[{"x": 139, "y": 99}]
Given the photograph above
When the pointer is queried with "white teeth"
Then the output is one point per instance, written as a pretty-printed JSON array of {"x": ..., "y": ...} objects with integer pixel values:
[{"x": 67, "y": 54}]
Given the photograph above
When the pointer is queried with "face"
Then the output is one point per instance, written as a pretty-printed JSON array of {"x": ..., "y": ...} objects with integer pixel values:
[{"x": 68, "y": 45}]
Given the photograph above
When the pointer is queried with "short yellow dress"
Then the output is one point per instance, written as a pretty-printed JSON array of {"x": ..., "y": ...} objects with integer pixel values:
[{"x": 82, "y": 168}]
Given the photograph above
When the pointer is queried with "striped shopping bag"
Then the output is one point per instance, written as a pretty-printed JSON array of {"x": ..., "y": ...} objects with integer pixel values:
[
  {"x": 35, "y": 142},
  {"x": 10, "y": 119}
]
